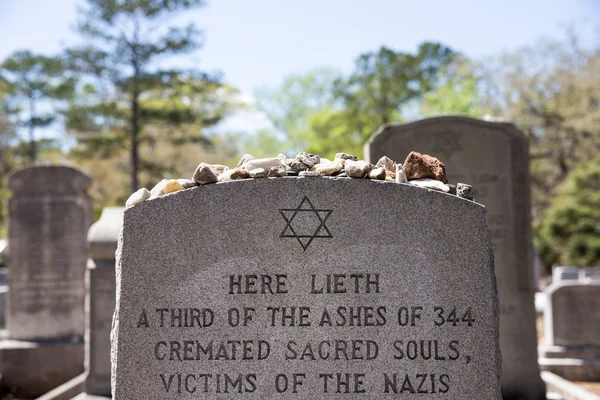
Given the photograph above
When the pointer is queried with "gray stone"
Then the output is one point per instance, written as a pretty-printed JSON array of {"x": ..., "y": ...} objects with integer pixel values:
[
  {"x": 465, "y": 191},
  {"x": 592, "y": 273},
  {"x": 258, "y": 173},
  {"x": 3, "y": 296},
  {"x": 494, "y": 158},
  {"x": 295, "y": 165},
  {"x": 233, "y": 174},
  {"x": 571, "y": 345},
  {"x": 452, "y": 188},
  {"x": 430, "y": 184},
  {"x": 49, "y": 215},
  {"x": 345, "y": 156},
  {"x": 138, "y": 197},
  {"x": 187, "y": 183},
  {"x": 310, "y": 160},
  {"x": 245, "y": 158},
  {"x": 357, "y": 169},
  {"x": 416, "y": 257},
  {"x": 282, "y": 157},
  {"x": 204, "y": 174},
  {"x": 377, "y": 173},
  {"x": 100, "y": 299}
]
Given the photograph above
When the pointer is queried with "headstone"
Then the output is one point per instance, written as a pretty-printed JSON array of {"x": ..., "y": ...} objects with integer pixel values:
[
  {"x": 49, "y": 215},
  {"x": 571, "y": 346},
  {"x": 493, "y": 158},
  {"x": 563, "y": 273},
  {"x": 592, "y": 273},
  {"x": 100, "y": 300},
  {"x": 305, "y": 288}
]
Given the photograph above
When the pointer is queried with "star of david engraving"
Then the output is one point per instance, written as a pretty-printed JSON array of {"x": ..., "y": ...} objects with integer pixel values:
[
  {"x": 447, "y": 143},
  {"x": 305, "y": 223}
]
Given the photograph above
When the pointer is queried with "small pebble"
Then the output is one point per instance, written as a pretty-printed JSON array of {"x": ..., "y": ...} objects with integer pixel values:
[
  {"x": 138, "y": 197},
  {"x": 465, "y": 191},
  {"x": 233, "y": 174},
  {"x": 187, "y": 183},
  {"x": 357, "y": 169},
  {"x": 245, "y": 158},
  {"x": 264, "y": 163},
  {"x": 419, "y": 165},
  {"x": 430, "y": 184},
  {"x": 345, "y": 156},
  {"x": 258, "y": 173},
  {"x": 282, "y": 157},
  {"x": 329, "y": 168},
  {"x": 452, "y": 188},
  {"x": 172, "y": 186},
  {"x": 400, "y": 175},
  {"x": 158, "y": 189},
  {"x": 204, "y": 174},
  {"x": 342, "y": 175},
  {"x": 310, "y": 160},
  {"x": 295, "y": 165},
  {"x": 310, "y": 173},
  {"x": 277, "y": 172},
  {"x": 377, "y": 173}
]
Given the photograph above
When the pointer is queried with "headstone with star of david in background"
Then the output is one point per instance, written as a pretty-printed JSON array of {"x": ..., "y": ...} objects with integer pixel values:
[
  {"x": 494, "y": 158},
  {"x": 305, "y": 288}
]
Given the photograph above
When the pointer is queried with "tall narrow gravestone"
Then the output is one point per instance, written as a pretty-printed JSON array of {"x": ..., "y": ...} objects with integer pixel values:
[
  {"x": 100, "y": 300},
  {"x": 493, "y": 157},
  {"x": 305, "y": 288},
  {"x": 49, "y": 215}
]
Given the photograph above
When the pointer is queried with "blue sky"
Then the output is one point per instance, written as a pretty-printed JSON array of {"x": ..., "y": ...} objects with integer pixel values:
[{"x": 257, "y": 43}]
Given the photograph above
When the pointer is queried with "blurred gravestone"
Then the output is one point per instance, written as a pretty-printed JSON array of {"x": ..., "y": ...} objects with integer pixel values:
[
  {"x": 49, "y": 215},
  {"x": 100, "y": 301},
  {"x": 571, "y": 346},
  {"x": 563, "y": 273},
  {"x": 494, "y": 158},
  {"x": 592, "y": 273}
]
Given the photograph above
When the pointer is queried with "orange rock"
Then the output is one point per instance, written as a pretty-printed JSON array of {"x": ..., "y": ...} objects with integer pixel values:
[{"x": 417, "y": 166}]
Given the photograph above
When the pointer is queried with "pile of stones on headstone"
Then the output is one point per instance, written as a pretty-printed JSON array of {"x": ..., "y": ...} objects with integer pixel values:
[{"x": 418, "y": 170}]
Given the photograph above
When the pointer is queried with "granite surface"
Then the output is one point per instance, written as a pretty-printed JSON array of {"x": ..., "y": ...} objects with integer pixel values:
[
  {"x": 305, "y": 288},
  {"x": 493, "y": 158}
]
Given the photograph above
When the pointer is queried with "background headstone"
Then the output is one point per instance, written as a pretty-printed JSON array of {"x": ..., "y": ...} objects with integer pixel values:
[
  {"x": 571, "y": 346},
  {"x": 494, "y": 159},
  {"x": 563, "y": 273},
  {"x": 391, "y": 285},
  {"x": 49, "y": 214},
  {"x": 100, "y": 299},
  {"x": 592, "y": 273}
]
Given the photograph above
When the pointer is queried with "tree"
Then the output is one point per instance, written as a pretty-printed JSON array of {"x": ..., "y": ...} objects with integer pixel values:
[
  {"x": 386, "y": 81},
  {"x": 552, "y": 92},
  {"x": 32, "y": 84},
  {"x": 127, "y": 91},
  {"x": 458, "y": 92},
  {"x": 290, "y": 107},
  {"x": 569, "y": 232}
]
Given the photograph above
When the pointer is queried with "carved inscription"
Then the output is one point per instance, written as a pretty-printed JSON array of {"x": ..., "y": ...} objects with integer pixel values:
[{"x": 186, "y": 336}]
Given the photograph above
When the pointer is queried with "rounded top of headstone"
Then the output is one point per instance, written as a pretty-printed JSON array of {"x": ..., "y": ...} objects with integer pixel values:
[
  {"x": 456, "y": 121},
  {"x": 104, "y": 233},
  {"x": 569, "y": 285},
  {"x": 48, "y": 180}
]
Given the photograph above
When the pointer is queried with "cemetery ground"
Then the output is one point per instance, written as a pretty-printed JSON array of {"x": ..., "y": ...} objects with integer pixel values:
[{"x": 298, "y": 276}]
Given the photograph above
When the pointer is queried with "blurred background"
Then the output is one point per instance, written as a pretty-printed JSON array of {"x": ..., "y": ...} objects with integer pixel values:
[{"x": 140, "y": 90}]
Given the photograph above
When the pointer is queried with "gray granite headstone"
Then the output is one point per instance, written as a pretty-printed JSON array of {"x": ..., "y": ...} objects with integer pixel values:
[
  {"x": 305, "y": 288},
  {"x": 100, "y": 299},
  {"x": 571, "y": 345},
  {"x": 592, "y": 273},
  {"x": 49, "y": 214},
  {"x": 563, "y": 273},
  {"x": 494, "y": 159}
]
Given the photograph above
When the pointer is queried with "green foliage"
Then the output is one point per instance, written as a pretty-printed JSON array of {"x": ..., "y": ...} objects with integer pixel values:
[
  {"x": 127, "y": 93},
  {"x": 457, "y": 93},
  {"x": 569, "y": 232},
  {"x": 33, "y": 85}
]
